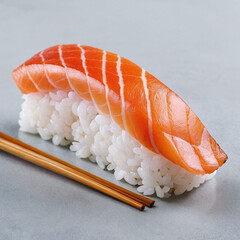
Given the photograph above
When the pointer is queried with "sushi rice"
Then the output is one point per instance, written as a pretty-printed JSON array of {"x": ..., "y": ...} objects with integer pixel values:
[{"x": 68, "y": 119}]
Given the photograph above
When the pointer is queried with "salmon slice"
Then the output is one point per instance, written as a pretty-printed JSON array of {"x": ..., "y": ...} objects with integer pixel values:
[{"x": 138, "y": 102}]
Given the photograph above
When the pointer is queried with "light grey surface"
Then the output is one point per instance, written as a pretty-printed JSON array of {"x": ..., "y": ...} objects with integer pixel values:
[{"x": 193, "y": 47}]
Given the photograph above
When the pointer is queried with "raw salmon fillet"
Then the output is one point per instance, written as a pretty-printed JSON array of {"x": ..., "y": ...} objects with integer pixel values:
[{"x": 137, "y": 101}]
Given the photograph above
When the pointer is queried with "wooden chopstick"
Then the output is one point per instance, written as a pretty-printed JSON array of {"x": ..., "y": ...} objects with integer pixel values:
[
  {"x": 66, "y": 171},
  {"x": 146, "y": 201},
  {"x": 36, "y": 156}
]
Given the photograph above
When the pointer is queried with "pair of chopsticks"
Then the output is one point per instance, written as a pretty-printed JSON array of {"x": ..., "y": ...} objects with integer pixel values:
[{"x": 36, "y": 156}]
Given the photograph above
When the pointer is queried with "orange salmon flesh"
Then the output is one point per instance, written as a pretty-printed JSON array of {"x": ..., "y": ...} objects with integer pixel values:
[{"x": 137, "y": 101}]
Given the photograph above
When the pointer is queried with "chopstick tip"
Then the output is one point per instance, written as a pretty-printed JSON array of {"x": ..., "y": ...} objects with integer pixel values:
[{"x": 152, "y": 203}]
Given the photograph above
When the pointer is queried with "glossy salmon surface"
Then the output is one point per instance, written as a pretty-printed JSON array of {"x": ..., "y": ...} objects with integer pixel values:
[{"x": 137, "y": 101}]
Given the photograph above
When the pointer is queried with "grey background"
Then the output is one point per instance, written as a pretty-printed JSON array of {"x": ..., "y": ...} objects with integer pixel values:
[{"x": 193, "y": 47}]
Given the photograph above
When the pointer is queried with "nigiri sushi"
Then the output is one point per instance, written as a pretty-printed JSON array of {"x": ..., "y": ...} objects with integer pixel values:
[{"x": 117, "y": 114}]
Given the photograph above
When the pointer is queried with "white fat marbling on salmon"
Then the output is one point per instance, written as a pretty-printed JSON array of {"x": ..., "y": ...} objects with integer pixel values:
[
  {"x": 65, "y": 67},
  {"x": 105, "y": 81},
  {"x": 206, "y": 150},
  {"x": 45, "y": 71},
  {"x": 121, "y": 84},
  {"x": 83, "y": 58},
  {"x": 31, "y": 79},
  {"x": 150, "y": 127}
]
